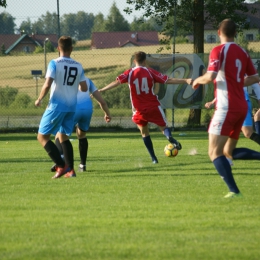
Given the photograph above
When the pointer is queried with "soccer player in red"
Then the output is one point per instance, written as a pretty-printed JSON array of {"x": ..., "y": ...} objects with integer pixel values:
[
  {"x": 228, "y": 65},
  {"x": 145, "y": 104}
]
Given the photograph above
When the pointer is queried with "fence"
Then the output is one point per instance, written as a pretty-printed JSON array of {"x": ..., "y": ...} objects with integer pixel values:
[{"x": 22, "y": 76}]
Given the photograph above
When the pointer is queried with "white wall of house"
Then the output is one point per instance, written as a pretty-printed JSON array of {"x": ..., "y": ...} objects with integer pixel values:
[{"x": 211, "y": 36}]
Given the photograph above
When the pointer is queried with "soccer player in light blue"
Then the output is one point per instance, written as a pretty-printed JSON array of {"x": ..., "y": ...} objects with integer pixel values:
[
  {"x": 82, "y": 118},
  {"x": 64, "y": 76},
  {"x": 247, "y": 127}
]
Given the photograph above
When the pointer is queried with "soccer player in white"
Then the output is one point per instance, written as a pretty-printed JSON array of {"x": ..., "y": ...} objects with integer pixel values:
[{"x": 64, "y": 76}]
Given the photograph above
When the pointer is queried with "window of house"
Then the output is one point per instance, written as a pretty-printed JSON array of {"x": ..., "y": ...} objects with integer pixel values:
[
  {"x": 26, "y": 49},
  {"x": 211, "y": 38},
  {"x": 249, "y": 37}
]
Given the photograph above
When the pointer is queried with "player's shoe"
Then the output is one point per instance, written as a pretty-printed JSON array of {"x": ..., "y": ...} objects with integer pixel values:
[
  {"x": 178, "y": 145},
  {"x": 233, "y": 195},
  {"x": 175, "y": 143},
  {"x": 70, "y": 174},
  {"x": 82, "y": 168},
  {"x": 154, "y": 160},
  {"x": 61, "y": 171},
  {"x": 53, "y": 168}
]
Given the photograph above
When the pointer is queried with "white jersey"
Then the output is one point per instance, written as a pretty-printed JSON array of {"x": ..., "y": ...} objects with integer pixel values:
[
  {"x": 67, "y": 74},
  {"x": 84, "y": 101}
]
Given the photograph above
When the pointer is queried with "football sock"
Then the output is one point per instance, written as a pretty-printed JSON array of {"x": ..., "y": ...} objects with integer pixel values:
[
  {"x": 83, "y": 150},
  {"x": 57, "y": 142},
  {"x": 255, "y": 137},
  {"x": 149, "y": 145},
  {"x": 68, "y": 153},
  {"x": 257, "y": 127},
  {"x": 54, "y": 154},
  {"x": 224, "y": 170},
  {"x": 245, "y": 154},
  {"x": 168, "y": 134}
]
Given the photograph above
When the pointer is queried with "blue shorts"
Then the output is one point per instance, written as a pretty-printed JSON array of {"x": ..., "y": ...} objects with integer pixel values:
[
  {"x": 56, "y": 121},
  {"x": 82, "y": 119},
  {"x": 248, "y": 120}
]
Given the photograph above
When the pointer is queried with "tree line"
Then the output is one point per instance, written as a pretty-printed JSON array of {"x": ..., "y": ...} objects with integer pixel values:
[{"x": 78, "y": 25}]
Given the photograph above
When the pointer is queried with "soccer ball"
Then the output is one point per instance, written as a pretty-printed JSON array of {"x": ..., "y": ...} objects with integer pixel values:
[{"x": 170, "y": 150}]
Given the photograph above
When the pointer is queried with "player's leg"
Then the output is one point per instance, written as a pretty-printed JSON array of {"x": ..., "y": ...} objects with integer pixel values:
[
  {"x": 46, "y": 128},
  {"x": 144, "y": 130},
  {"x": 82, "y": 119},
  {"x": 64, "y": 133},
  {"x": 216, "y": 148},
  {"x": 257, "y": 121},
  {"x": 83, "y": 148},
  {"x": 157, "y": 116}
]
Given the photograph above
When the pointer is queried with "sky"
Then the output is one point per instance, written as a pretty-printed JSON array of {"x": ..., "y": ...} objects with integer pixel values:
[{"x": 33, "y": 9}]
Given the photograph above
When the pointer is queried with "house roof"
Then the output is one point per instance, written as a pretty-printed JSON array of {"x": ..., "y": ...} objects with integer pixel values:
[
  {"x": 11, "y": 40},
  {"x": 103, "y": 40}
]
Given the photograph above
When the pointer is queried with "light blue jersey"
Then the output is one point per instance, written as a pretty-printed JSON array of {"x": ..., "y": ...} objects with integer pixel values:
[
  {"x": 248, "y": 120},
  {"x": 84, "y": 108},
  {"x": 67, "y": 74}
]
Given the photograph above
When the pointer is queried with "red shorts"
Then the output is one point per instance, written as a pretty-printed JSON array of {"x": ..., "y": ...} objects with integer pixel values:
[
  {"x": 153, "y": 115},
  {"x": 227, "y": 123}
]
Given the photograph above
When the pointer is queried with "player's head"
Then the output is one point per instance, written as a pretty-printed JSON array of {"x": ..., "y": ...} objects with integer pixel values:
[
  {"x": 228, "y": 28},
  {"x": 65, "y": 43},
  {"x": 140, "y": 57}
]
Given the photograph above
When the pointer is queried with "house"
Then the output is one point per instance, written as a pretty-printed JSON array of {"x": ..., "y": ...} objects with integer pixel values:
[
  {"x": 211, "y": 36},
  {"x": 25, "y": 43},
  {"x": 105, "y": 40}
]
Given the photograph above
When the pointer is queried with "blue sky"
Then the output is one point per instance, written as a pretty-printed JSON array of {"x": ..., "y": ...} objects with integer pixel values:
[{"x": 22, "y": 9}]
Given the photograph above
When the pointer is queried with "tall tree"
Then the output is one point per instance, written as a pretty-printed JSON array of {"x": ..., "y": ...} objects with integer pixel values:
[
  {"x": 84, "y": 22},
  {"x": 99, "y": 23},
  {"x": 141, "y": 24},
  {"x": 116, "y": 21},
  {"x": 7, "y": 23},
  {"x": 26, "y": 26},
  {"x": 192, "y": 14},
  {"x": 3, "y": 3}
]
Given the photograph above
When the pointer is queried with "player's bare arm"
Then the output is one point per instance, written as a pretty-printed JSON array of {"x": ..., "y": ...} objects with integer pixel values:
[
  {"x": 210, "y": 104},
  {"x": 204, "y": 79},
  {"x": 83, "y": 86},
  {"x": 110, "y": 86},
  {"x": 249, "y": 80},
  {"x": 178, "y": 81},
  {"x": 103, "y": 105},
  {"x": 44, "y": 91}
]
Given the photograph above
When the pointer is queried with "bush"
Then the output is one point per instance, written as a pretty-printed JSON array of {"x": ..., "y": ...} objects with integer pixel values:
[
  {"x": 7, "y": 96},
  {"x": 22, "y": 101}
]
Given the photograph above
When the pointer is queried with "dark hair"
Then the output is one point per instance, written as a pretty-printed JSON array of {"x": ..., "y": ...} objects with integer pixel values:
[
  {"x": 65, "y": 43},
  {"x": 228, "y": 28},
  {"x": 140, "y": 56}
]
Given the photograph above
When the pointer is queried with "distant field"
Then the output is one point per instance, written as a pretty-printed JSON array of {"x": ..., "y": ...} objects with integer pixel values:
[{"x": 16, "y": 70}]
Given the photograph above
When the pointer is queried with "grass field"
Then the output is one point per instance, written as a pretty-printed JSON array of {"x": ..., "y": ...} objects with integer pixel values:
[{"x": 124, "y": 207}]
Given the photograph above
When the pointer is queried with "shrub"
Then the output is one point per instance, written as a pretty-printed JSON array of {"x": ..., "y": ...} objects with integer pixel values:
[
  {"x": 7, "y": 95},
  {"x": 22, "y": 101}
]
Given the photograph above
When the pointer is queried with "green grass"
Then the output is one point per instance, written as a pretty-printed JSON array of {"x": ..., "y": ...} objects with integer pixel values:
[{"x": 124, "y": 207}]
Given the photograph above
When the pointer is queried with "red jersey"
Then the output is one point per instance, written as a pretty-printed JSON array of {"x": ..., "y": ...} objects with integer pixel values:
[
  {"x": 141, "y": 83},
  {"x": 232, "y": 63}
]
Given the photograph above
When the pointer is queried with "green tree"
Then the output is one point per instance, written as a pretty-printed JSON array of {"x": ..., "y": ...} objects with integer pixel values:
[
  {"x": 141, "y": 24},
  {"x": 26, "y": 26},
  {"x": 68, "y": 24},
  {"x": 99, "y": 23},
  {"x": 46, "y": 24},
  {"x": 3, "y": 49},
  {"x": 84, "y": 22},
  {"x": 116, "y": 21},
  {"x": 7, "y": 23},
  {"x": 3, "y": 3},
  {"x": 192, "y": 14}
]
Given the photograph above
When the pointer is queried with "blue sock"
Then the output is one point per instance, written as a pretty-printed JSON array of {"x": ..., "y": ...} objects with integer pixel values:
[
  {"x": 245, "y": 154},
  {"x": 257, "y": 127},
  {"x": 149, "y": 145},
  {"x": 223, "y": 167},
  {"x": 168, "y": 134}
]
